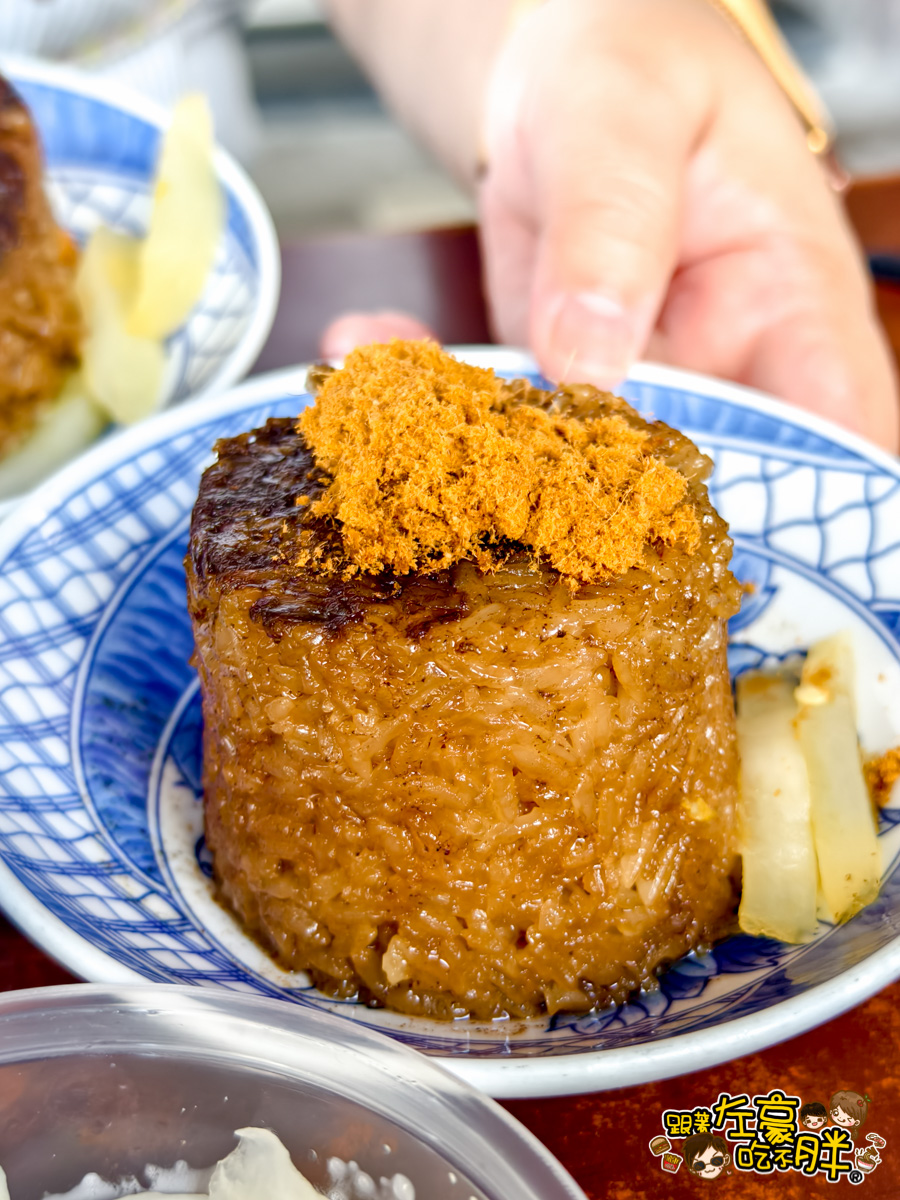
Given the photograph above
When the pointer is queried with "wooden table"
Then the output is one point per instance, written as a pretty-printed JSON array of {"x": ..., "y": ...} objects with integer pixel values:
[{"x": 601, "y": 1138}]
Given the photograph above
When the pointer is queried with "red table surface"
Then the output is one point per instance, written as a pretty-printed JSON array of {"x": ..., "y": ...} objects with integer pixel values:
[{"x": 602, "y": 1138}]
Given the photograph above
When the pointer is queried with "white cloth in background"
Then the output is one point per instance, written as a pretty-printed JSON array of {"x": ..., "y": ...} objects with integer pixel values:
[{"x": 161, "y": 48}]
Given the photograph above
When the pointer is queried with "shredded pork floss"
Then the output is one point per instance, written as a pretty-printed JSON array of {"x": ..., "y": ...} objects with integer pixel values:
[{"x": 434, "y": 461}]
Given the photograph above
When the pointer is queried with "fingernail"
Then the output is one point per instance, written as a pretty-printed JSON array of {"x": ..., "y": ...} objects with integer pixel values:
[{"x": 589, "y": 336}]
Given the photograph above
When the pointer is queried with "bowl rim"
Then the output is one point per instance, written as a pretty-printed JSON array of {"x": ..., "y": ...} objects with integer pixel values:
[
  {"x": 506, "y": 1077},
  {"x": 231, "y": 175},
  {"x": 272, "y": 1040}
]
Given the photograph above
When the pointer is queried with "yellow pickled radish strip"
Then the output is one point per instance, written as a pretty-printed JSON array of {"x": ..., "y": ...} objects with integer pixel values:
[
  {"x": 830, "y": 667},
  {"x": 175, "y": 257},
  {"x": 780, "y": 876},
  {"x": 122, "y": 372},
  {"x": 843, "y": 823}
]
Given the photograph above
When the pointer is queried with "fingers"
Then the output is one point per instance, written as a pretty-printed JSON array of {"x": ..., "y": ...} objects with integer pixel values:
[
  {"x": 508, "y": 250},
  {"x": 648, "y": 185},
  {"x": 581, "y": 207},
  {"x": 771, "y": 290},
  {"x": 608, "y": 245},
  {"x": 812, "y": 340},
  {"x": 350, "y": 330},
  {"x": 835, "y": 367}
]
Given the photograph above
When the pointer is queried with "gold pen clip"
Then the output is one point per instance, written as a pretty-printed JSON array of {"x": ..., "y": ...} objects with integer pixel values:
[{"x": 753, "y": 19}]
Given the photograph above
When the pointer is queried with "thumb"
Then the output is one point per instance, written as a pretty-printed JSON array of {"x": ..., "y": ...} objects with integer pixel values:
[{"x": 609, "y": 238}]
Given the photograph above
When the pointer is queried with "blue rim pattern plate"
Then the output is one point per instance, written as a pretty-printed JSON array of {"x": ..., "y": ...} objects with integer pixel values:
[
  {"x": 103, "y": 860},
  {"x": 100, "y": 146}
]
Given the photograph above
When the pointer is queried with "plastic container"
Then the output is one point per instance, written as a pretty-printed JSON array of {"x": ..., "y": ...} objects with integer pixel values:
[{"x": 109, "y": 1079}]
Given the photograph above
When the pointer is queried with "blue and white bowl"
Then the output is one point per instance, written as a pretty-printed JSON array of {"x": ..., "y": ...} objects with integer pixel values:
[
  {"x": 100, "y": 146},
  {"x": 100, "y": 822}
]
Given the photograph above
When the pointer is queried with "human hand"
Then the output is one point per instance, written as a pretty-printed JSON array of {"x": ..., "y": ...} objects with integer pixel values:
[{"x": 649, "y": 193}]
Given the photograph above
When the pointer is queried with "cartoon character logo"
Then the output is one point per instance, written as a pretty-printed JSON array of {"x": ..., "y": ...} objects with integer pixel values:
[
  {"x": 867, "y": 1159},
  {"x": 849, "y": 1110},
  {"x": 706, "y": 1155},
  {"x": 668, "y": 1159},
  {"x": 767, "y": 1133},
  {"x": 813, "y": 1116}
]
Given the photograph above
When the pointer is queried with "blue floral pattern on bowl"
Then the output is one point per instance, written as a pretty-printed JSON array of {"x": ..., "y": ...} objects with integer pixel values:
[{"x": 100, "y": 832}]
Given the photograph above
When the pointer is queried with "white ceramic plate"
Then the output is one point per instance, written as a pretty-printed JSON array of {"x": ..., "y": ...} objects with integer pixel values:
[
  {"x": 100, "y": 828},
  {"x": 100, "y": 146}
]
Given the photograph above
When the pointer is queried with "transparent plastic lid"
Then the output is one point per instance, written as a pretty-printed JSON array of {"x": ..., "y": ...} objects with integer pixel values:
[{"x": 110, "y": 1079}]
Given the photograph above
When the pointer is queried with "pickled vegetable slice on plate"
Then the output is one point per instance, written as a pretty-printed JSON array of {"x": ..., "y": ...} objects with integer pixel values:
[
  {"x": 808, "y": 828},
  {"x": 843, "y": 821},
  {"x": 135, "y": 292},
  {"x": 830, "y": 665},
  {"x": 780, "y": 876},
  {"x": 121, "y": 371},
  {"x": 175, "y": 257}
]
